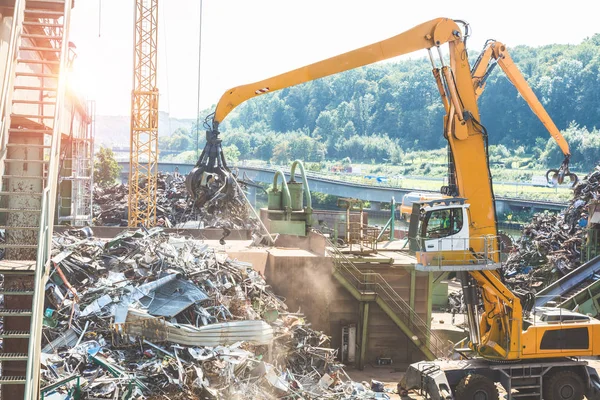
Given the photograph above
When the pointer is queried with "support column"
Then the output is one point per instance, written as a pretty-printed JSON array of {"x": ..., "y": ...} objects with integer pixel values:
[
  {"x": 411, "y": 301},
  {"x": 364, "y": 324},
  {"x": 252, "y": 195},
  {"x": 429, "y": 298},
  {"x": 429, "y": 302}
]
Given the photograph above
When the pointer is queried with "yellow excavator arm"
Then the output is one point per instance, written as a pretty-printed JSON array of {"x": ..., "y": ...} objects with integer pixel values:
[
  {"x": 425, "y": 36},
  {"x": 495, "y": 53}
]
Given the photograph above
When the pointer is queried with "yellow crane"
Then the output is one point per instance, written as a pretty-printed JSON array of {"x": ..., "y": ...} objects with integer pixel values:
[
  {"x": 143, "y": 160},
  {"x": 459, "y": 233}
]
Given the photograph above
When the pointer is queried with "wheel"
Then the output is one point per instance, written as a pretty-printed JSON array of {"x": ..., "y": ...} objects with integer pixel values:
[
  {"x": 563, "y": 385},
  {"x": 476, "y": 387}
]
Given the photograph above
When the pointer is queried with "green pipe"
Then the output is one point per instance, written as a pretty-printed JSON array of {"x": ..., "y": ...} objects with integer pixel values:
[
  {"x": 285, "y": 189},
  {"x": 304, "y": 181},
  {"x": 393, "y": 219},
  {"x": 383, "y": 230}
]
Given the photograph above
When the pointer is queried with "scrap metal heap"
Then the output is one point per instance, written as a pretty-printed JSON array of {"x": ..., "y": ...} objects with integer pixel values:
[
  {"x": 550, "y": 246},
  {"x": 174, "y": 206},
  {"x": 148, "y": 315}
]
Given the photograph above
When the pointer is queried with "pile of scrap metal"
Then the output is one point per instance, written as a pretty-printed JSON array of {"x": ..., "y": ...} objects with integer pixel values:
[
  {"x": 224, "y": 209},
  {"x": 550, "y": 246},
  {"x": 148, "y": 315}
]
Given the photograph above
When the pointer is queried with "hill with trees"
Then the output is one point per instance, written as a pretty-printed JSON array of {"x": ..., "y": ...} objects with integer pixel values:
[{"x": 381, "y": 112}]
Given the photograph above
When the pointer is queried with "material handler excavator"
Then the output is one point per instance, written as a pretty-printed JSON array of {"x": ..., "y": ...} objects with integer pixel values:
[{"x": 534, "y": 355}]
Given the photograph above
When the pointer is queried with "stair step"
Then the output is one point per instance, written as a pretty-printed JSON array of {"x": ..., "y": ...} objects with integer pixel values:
[
  {"x": 26, "y": 161},
  {"x": 39, "y": 36},
  {"x": 32, "y": 116},
  {"x": 17, "y": 267},
  {"x": 12, "y": 380},
  {"x": 23, "y": 160},
  {"x": 43, "y": 103},
  {"x": 36, "y": 75},
  {"x": 26, "y": 209},
  {"x": 14, "y": 334},
  {"x": 45, "y": 89},
  {"x": 517, "y": 395},
  {"x": 47, "y": 13},
  {"x": 25, "y": 130},
  {"x": 21, "y": 177},
  {"x": 41, "y": 49},
  {"x": 37, "y": 23},
  {"x": 525, "y": 387},
  {"x": 19, "y": 228},
  {"x": 29, "y": 146},
  {"x": 33, "y": 61},
  {"x": 17, "y": 246},
  {"x": 30, "y": 194},
  {"x": 17, "y": 292},
  {"x": 7, "y": 312},
  {"x": 13, "y": 356}
]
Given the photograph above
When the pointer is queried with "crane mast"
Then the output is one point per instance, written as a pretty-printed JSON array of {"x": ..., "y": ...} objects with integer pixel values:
[{"x": 143, "y": 161}]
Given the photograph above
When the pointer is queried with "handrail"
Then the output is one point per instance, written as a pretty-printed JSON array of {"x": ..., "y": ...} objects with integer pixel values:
[
  {"x": 375, "y": 282},
  {"x": 32, "y": 377},
  {"x": 9, "y": 70}
]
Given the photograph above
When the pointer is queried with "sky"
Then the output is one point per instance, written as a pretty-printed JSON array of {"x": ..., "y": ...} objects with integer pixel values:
[{"x": 249, "y": 40}]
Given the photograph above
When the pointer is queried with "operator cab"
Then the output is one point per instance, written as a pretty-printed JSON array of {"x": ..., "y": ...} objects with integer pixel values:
[
  {"x": 439, "y": 235},
  {"x": 439, "y": 225}
]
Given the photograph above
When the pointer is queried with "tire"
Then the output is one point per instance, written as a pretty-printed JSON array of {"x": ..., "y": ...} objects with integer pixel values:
[
  {"x": 476, "y": 387},
  {"x": 563, "y": 385}
]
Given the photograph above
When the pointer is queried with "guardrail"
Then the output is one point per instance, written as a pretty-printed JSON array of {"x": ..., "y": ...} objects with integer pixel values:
[
  {"x": 48, "y": 207},
  {"x": 9, "y": 74},
  {"x": 368, "y": 281},
  {"x": 451, "y": 251},
  {"x": 357, "y": 180}
]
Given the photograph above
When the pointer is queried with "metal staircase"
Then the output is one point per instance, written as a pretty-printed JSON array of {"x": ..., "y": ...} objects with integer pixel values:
[
  {"x": 31, "y": 109},
  {"x": 371, "y": 286}
]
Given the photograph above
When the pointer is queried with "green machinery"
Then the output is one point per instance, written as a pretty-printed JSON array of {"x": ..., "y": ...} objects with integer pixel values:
[{"x": 286, "y": 210}]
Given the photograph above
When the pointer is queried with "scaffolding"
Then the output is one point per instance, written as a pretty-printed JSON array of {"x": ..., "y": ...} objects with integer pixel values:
[{"x": 76, "y": 180}]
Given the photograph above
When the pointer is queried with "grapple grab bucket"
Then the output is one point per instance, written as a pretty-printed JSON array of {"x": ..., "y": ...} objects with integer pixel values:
[
  {"x": 210, "y": 175},
  {"x": 562, "y": 175}
]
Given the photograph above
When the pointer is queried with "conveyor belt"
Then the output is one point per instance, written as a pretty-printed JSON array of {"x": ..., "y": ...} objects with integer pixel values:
[{"x": 571, "y": 284}]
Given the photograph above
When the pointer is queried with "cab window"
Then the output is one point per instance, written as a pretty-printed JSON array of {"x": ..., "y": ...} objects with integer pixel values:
[{"x": 442, "y": 223}]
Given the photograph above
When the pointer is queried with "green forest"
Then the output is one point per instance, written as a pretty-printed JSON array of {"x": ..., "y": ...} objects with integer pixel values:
[{"x": 384, "y": 112}]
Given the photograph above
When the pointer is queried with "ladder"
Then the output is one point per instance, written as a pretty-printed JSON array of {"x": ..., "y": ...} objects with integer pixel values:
[{"x": 31, "y": 108}]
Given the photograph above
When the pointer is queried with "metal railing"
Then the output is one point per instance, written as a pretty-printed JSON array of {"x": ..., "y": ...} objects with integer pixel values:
[
  {"x": 9, "y": 76},
  {"x": 359, "y": 235},
  {"x": 48, "y": 208},
  {"x": 368, "y": 281},
  {"x": 432, "y": 252},
  {"x": 359, "y": 179}
]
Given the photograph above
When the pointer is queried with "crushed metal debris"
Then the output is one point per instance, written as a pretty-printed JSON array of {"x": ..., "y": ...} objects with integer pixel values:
[
  {"x": 175, "y": 208},
  {"x": 151, "y": 315},
  {"x": 550, "y": 246}
]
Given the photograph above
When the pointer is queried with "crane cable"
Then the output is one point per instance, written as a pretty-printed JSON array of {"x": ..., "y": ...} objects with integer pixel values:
[
  {"x": 165, "y": 44},
  {"x": 198, "y": 99}
]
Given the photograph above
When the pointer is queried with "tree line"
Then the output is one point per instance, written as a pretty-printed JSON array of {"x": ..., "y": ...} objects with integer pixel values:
[{"x": 380, "y": 112}]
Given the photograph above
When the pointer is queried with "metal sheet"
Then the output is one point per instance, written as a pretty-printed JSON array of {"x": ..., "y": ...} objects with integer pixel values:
[{"x": 173, "y": 297}]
